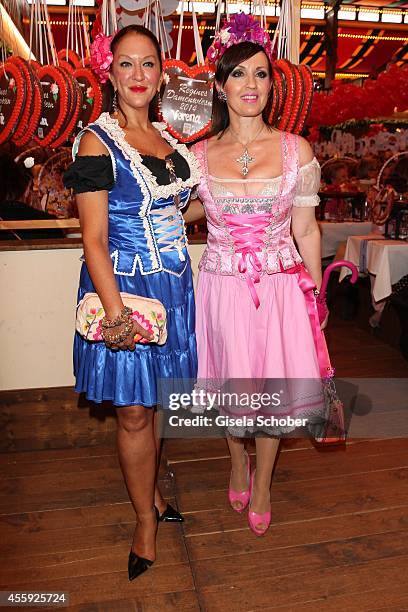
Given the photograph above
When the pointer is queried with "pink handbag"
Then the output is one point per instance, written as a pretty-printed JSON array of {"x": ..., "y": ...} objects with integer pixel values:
[{"x": 148, "y": 312}]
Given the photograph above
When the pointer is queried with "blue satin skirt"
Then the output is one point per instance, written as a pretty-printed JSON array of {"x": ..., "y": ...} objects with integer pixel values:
[{"x": 133, "y": 378}]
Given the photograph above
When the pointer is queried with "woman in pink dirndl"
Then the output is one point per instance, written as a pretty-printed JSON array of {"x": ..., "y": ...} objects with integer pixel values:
[{"x": 257, "y": 318}]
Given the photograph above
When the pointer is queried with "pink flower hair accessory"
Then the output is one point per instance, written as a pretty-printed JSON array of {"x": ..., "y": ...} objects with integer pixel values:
[
  {"x": 101, "y": 56},
  {"x": 239, "y": 28}
]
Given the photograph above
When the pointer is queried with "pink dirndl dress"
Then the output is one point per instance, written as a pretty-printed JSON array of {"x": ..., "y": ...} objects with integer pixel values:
[{"x": 256, "y": 318}]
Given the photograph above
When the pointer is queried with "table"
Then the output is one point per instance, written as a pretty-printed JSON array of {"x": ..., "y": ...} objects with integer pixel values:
[
  {"x": 386, "y": 260},
  {"x": 335, "y": 233}
]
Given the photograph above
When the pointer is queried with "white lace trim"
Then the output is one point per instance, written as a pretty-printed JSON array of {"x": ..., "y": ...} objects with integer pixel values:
[
  {"x": 112, "y": 127},
  {"x": 305, "y": 201}
]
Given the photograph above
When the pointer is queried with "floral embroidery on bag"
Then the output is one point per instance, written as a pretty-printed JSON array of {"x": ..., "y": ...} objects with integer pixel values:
[
  {"x": 160, "y": 322},
  {"x": 91, "y": 321}
]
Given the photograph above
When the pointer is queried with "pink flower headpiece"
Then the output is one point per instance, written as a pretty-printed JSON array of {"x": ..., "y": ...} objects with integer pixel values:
[
  {"x": 239, "y": 28},
  {"x": 101, "y": 56}
]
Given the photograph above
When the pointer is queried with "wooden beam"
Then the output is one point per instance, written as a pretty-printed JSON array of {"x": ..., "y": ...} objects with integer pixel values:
[
  {"x": 295, "y": 40},
  {"x": 330, "y": 36},
  {"x": 40, "y": 224}
]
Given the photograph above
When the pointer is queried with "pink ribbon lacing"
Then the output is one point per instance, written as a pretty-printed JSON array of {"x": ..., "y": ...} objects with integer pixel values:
[{"x": 248, "y": 232}]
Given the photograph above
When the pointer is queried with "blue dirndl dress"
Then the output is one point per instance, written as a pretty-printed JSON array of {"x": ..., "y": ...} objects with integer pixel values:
[{"x": 147, "y": 245}]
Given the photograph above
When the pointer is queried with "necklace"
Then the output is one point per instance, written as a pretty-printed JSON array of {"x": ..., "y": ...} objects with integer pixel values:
[{"x": 245, "y": 158}]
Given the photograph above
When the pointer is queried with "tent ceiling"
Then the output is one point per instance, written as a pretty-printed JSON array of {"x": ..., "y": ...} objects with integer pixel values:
[{"x": 391, "y": 4}]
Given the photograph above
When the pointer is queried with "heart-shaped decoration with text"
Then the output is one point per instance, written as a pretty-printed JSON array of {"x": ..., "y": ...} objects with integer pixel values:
[
  {"x": 92, "y": 98},
  {"x": 186, "y": 104}
]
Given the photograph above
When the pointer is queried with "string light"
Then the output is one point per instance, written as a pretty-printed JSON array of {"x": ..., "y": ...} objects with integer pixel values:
[
  {"x": 314, "y": 33},
  {"x": 357, "y": 36},
  {"x": 327, "y": 8},
  {"x": 344, "y": 75},
  {"x": 59, "y": 22}
]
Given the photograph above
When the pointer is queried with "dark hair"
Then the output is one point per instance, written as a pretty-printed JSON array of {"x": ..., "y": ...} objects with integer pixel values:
[
  {"x": 232, "y": 57},
  {"x": 14, "y": 178},
  {"x": 137, "y": 29}
]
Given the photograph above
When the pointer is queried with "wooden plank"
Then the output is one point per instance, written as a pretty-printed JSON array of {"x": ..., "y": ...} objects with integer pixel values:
[
  {"x": 54, "y": 456},
  {"x": 63, "y": 468},
  {"x": 185, "y": 601},
  {"x": 103, "y": 584},
  {"x": 73, "y": 439},
  {"x": 178, "y": 450},
  {"x": 304, "y": 465},
  {"x": 21, "y": 396},
  {"x": 50, "y": 492},
  {"x": 259, "y": 589},
  {"x": 80, "y": 552},
  {"x": 208, "y": 511},
  {"x": 289, "y": 560},
  {"x": 296, "y": 533},
  {"x": 372, "y": 600},
  {"x": 70, "y": 518}
]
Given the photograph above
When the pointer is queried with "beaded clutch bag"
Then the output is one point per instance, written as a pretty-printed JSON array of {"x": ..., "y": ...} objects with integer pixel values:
[{"x": 148, "y": 312}]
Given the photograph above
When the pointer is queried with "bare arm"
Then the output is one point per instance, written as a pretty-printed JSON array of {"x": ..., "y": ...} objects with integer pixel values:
[
  {"x": 305, "y": 228},
  {"x": 194, "y": 211},
  {"x": 307, "y": 235},
  {"x": 93, "y": 215}
]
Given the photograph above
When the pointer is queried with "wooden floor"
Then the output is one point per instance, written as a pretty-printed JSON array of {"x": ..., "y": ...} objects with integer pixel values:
[{"x": 339, "y": 534}]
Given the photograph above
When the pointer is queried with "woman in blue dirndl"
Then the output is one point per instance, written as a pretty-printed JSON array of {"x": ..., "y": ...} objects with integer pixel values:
[{"x": 131, "y": 179}]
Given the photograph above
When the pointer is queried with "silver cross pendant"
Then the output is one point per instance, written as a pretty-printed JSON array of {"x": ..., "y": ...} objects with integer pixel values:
[{"x": 245, "y": 159}]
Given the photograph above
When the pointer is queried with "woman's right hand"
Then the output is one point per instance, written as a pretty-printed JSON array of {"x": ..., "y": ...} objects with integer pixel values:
[{"x": 128, "y": 344}]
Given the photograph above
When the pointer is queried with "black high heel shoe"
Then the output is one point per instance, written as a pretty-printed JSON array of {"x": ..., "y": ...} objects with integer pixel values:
[
  {"x": 169, "y": 515},
  {"x": 138, "y": 565}
]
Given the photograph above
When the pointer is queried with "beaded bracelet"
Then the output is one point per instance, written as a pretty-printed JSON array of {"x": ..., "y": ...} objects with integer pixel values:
[
  {"x": 118, "y": 337},
  {"x": 122, "y": 317}
]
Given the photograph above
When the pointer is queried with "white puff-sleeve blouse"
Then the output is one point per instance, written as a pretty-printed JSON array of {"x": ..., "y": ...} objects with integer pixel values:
[{"x": 308, "y": 184}]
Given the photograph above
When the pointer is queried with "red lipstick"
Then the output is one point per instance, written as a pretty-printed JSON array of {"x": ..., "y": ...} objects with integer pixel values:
[{"x": 138, "y": 89}]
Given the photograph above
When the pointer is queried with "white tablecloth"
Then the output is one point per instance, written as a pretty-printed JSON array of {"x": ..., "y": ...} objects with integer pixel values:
[
  {"x": 387, "y": 260},
  {"x": 335, "y": 233}
]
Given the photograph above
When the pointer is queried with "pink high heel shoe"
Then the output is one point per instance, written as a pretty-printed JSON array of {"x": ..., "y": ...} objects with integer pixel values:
[
  {"x": 242, "y": 496},
  {"x": 254, "y": 518}
]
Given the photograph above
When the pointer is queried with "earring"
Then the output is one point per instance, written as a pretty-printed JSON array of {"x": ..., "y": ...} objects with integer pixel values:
[
  {"x": 115, "y": 102},
  {"x": 159, "y": 106},
  {"x": 222, "y": 96}
]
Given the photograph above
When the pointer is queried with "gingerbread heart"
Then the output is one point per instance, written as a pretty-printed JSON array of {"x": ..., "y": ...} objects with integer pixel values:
[
  {"x": 56, "y": 104},
  {"x": 13, "y": 94},
  {"x": 92, "y": 98},
  {"x": 187, "y": 100}
]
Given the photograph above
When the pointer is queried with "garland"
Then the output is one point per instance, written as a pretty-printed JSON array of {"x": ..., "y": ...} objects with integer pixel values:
[{"x": 376, "y": 98}]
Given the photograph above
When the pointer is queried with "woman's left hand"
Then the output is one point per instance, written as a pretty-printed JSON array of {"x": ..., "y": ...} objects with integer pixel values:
[
  {"x": 323, "y": 324},
  {"x": 322, "y": 310}
]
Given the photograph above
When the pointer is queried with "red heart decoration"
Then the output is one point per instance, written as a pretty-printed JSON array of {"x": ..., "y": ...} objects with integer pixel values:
[
  {"x": 56, "y": 108},
  {"x": 91, "y": 105},
  {"x": 186, "y": 104},
  {"x": 12, "y": 99}
]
